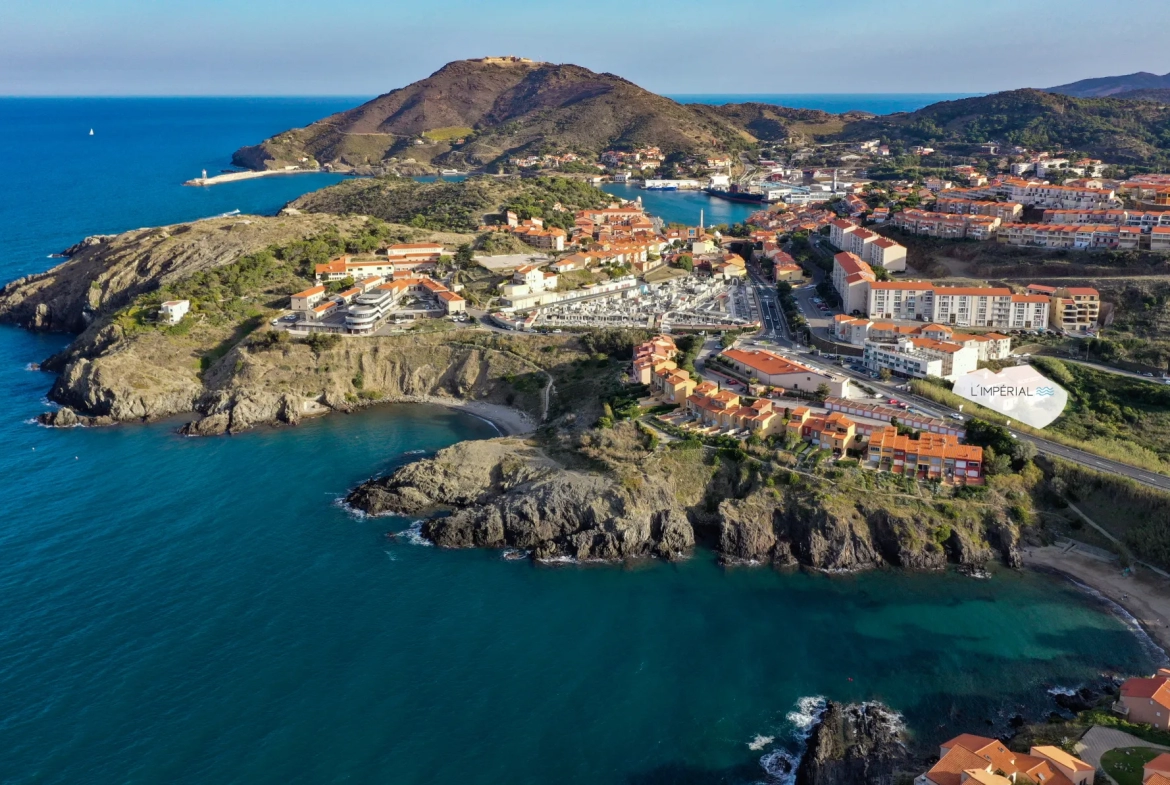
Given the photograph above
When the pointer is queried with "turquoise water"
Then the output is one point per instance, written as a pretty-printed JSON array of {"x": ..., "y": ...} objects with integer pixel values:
[
  {"x": 684, "y": 206},
  {"x": 60, "y": 184},
  {"x": 202, "y": 610},
  {"x": 836, "y": 103}
]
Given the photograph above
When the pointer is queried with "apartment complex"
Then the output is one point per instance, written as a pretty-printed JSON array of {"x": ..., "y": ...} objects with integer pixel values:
[
  {"x": 726, "y": 410},
  {"x": 1005, "y": 211},
  {"x": 1075, "y": 309},
  {"x": 1040, "y": 194},
  {"x": 980, "y": 306},
  {"x": 867, "y": 246},
  {"x": 1142, "y": 219},
  {"x": 656, "y": 353},
  {"x": 1146, "y": 701},
  {"x": 958, "y": 226},
  {"x": 830, "y": 431},
  {"x": 930, "y": 456},
  {"x": 1071, "y": 236}
]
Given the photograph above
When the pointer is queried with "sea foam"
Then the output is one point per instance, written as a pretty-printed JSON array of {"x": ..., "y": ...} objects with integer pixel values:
[{"x": 780, "y": 764}]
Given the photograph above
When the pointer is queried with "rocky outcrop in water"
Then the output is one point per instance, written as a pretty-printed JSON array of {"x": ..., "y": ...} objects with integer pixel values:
[
  {"x": 855, "y": 744},
  {"x": 505, "y": 493}
]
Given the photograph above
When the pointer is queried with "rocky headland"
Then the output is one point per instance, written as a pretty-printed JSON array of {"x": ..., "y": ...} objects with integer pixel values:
[{"x": 615, "y": 494}]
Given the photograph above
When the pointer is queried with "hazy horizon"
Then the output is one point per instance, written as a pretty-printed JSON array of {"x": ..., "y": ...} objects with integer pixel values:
[{"x": 213, "y": 48}]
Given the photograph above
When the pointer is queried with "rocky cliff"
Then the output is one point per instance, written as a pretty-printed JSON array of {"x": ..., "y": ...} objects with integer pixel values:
[
  {"x": 105, "y": 272},
  {"x": 855, "y": 744},
  {"x": 150, "y": 376},
  {"x": 614, "y": 494}
]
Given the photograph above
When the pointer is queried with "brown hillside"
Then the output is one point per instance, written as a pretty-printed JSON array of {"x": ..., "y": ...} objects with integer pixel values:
[{"x": 507, "y": 108}]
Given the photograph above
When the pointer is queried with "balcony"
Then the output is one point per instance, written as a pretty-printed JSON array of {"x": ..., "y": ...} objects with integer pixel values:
[{"x": 1120, "y": 709}]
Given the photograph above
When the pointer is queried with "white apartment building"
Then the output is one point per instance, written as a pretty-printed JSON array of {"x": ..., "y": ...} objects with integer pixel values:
[
  {"x": 921, "y": 357},
  {"x": 870, "y": 247},
  {"x": 851, "y": 279},
  {"x": 958, "y": 306},
  {"x": 901, "y": 300}
]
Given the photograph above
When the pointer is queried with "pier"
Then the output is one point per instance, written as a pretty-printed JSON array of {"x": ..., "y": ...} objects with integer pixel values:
[{"x": 231, "y": 177}]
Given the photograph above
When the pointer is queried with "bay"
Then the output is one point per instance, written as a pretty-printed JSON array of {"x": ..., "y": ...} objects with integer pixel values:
[{"x": 203, "y": 610}]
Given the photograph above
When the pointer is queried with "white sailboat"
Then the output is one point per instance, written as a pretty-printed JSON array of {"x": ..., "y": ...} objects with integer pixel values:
[{"x": 91, "y": 132}]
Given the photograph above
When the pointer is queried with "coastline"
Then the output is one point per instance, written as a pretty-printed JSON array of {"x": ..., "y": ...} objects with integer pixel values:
[{"x": 1141, "y": 596}]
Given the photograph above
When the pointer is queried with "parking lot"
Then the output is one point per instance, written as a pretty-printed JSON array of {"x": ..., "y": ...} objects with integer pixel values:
[{"x": 677, "y": 302}]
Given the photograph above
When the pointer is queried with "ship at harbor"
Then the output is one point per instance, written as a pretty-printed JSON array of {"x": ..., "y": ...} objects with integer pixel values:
[{"x": 735, "y": 193}]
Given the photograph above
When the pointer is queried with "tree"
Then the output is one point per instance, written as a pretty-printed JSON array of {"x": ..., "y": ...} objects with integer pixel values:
[
  {"x": 822, "y": 391},
  {"x": 686, "y": 262},
  {"x": 885, "y": 375},
  {"x": 464, "y": 255}
]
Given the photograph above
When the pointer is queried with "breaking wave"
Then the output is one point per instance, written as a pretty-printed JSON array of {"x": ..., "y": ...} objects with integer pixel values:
[
  {"x": 412, "y": 535},
  {"x": 780, "y": 764}
]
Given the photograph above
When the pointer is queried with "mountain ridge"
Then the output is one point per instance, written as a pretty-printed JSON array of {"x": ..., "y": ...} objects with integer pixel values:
[
  {"x": 1112, "y": 86},
  {"x": 473, "y": 114}
]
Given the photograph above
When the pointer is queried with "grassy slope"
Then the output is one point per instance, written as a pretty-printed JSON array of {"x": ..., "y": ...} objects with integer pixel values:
[{"x": 458, "y": 206}]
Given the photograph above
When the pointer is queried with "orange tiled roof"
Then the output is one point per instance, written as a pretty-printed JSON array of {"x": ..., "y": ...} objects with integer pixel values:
[{"x": 949, "y": 769}]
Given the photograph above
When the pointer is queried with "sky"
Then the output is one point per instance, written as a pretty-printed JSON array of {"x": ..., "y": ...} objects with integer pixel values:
[{"x": 367, "y": 47}]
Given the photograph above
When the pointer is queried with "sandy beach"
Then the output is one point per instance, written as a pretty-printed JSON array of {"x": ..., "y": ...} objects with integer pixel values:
[
  {"x": 1142, "y": 594},
  {"x": 509, "y": 421}
]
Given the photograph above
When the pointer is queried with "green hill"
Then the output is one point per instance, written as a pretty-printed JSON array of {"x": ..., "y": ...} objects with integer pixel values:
[
  {"x": 454, "y": 206},
  {"x": 1136, "y": 132}
]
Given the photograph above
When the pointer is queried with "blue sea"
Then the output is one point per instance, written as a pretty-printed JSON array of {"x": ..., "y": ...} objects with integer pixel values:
[
  {"x": 835, "y": 103},
  {"x": 187, "y": 610}
]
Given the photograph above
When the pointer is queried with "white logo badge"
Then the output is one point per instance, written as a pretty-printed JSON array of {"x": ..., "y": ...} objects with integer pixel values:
[{"x": 1020, "y": 392}]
